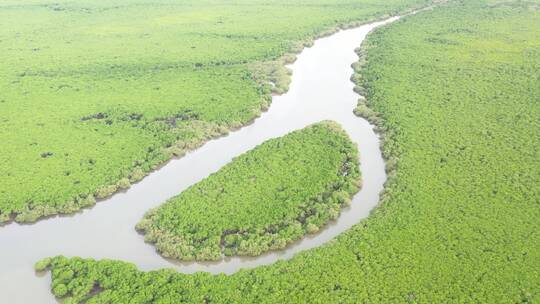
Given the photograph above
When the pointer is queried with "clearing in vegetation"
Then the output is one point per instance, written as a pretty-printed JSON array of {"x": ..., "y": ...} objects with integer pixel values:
[
  {"x": 456, "y": 91},
  {"x": 262, "y": 200}
]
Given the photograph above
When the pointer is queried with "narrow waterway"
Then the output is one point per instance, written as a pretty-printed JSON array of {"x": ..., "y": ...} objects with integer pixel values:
[{"x": 321, "y": 89}]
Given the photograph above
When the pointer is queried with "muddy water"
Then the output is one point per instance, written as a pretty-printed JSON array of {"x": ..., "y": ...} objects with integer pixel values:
[{"x": 320, "y": 90}]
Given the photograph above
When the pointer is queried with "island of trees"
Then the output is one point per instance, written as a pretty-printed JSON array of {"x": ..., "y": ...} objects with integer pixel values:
[{"x": 262, "y": 200}]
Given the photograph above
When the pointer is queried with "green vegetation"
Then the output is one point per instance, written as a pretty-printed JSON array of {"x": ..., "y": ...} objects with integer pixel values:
[
  {"x": 456, "y": 91},
  {"x": 262, "y": 200},
  {"x": 95, "y": 94}
]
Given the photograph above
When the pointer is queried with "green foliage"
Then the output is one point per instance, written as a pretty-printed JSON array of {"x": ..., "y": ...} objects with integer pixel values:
[
  {"x": 43, "y": 264},
  {"x": 94, "y": 92},
  {"x": 262, "y": 200},
  {"x": 459, "y": 223}
]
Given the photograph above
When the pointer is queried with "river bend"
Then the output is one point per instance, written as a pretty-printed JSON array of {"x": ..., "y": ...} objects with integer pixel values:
[{"x": 320, "y": 89}]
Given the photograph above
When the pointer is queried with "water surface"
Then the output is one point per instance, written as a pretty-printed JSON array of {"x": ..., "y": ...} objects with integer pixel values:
[{"x": 320, "y": 89}]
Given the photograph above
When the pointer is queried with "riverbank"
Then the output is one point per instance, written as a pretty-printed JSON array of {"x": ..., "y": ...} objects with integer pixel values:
[{"x": 320, "y": 90}]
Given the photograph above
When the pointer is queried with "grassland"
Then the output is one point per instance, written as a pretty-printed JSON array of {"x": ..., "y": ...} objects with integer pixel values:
[
  {"x": 95, "y": 94},
  {"x": 456, "y": 92},
  {"x": 263, "y": 200}
]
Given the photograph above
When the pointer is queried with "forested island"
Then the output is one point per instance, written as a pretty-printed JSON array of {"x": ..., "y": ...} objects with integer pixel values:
[{"x": 262, "y": 200}]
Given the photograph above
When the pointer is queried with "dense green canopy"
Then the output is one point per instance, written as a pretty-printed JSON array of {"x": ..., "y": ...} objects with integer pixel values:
[
  {"x": 262, "y": 200},
  {"x": 96, "y": 93},
  {"x": 457, "y": 92}
]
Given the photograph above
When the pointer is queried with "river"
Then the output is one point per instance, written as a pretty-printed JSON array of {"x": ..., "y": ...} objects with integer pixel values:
[{"x": 320, "y": 90}]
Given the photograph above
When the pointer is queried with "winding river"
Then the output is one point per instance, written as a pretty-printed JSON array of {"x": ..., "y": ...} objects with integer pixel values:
[{"x": 320, "y": 89}]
